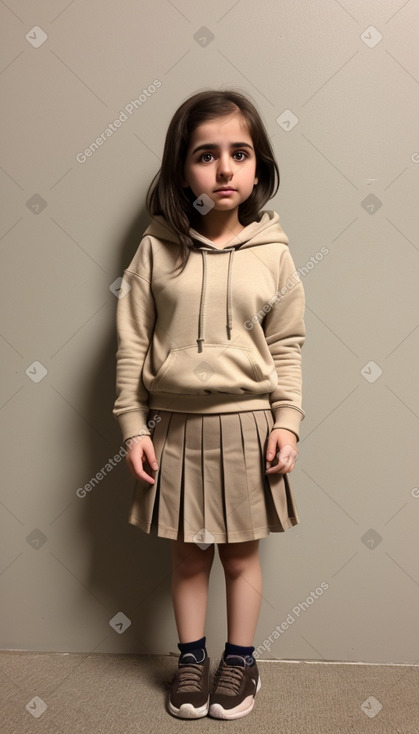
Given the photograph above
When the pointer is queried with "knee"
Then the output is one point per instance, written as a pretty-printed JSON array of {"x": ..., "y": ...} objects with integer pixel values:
[
  {"x": 191, "y": 563},
  {"x": 234, "y": 566},
  {"x": 237, "y": 559}
]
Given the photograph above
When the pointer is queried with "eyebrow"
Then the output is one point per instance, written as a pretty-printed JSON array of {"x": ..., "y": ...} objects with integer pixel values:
[{"x": 213, "y": 146}]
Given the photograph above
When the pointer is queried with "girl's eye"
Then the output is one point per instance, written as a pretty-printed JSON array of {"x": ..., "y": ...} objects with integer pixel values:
[{"x": 239, "y": 155}]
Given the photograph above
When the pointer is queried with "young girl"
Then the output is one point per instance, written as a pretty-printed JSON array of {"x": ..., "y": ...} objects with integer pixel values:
[{"x": 210, "y": 329}]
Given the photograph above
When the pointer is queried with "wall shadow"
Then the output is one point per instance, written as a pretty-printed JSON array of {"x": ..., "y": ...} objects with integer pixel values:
[{"x": 129, "y": 571}]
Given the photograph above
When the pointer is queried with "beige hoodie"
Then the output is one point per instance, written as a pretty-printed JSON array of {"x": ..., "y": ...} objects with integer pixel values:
[{"x": 224, "y": 336}]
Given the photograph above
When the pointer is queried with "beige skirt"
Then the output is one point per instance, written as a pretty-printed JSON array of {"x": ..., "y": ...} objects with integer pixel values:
[{"x": 211, "y": 486}]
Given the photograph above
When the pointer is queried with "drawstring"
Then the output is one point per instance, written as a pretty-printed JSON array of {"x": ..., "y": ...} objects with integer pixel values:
[
  {"x": 228, "y": 299},
  {"x": 229, "y": 308},
  {"x": 201, "y": 337}
]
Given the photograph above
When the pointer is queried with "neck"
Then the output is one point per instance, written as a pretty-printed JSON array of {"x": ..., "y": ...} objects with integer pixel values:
[{"x": 218, "y": 225}]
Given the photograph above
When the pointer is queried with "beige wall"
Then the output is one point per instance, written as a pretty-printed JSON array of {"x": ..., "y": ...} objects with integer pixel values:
[{"x": 349, "y": 183}]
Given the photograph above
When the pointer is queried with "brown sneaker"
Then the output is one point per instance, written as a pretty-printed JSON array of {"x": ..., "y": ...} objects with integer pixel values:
[
  {"x": 189, "y": 690},
  {"x": 234, "y": 688}
]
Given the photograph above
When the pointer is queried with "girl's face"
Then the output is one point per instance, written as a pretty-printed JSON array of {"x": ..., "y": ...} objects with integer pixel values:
[{"x": 221, "y": 162}]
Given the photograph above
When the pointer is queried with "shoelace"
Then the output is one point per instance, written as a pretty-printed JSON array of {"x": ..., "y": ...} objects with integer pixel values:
[
  {"x": 228, "y": 677},
  {"x": 189, "y": 677}
]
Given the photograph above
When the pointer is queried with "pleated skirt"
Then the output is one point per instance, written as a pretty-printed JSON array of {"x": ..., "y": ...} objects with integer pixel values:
[{"x": 211, "y": 485}]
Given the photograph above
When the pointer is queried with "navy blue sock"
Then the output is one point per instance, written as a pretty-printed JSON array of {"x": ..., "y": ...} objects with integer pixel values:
[
  {"x": 193, "y": 652},
  {"x": 243, "y": 652}
]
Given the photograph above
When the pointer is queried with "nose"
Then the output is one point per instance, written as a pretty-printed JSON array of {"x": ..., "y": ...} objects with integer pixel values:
[{"x": 225, "y": 169}]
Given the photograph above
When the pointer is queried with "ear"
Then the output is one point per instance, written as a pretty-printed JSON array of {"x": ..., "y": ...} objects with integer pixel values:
[{"x": 256, "y": 181}]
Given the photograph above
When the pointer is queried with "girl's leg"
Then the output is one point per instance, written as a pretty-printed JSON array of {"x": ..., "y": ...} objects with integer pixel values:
[
  {"x": 191, "y": 568},
  {"x": 243, "y": 576}
]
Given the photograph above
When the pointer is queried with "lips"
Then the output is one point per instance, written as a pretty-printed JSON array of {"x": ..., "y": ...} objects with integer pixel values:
[{"x": 225, "y": 188}]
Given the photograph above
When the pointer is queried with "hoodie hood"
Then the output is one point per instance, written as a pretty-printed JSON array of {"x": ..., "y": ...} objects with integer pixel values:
[{"x": 266, "y": 230}]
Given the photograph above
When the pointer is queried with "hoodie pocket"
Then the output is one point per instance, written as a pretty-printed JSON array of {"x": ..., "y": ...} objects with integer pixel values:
[{"x": 218, "y": 368}]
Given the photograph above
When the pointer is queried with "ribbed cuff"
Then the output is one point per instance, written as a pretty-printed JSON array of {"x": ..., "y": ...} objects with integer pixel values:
[
  {"x": 133, "y": 423},
  {"x": 288, "y": 418}
]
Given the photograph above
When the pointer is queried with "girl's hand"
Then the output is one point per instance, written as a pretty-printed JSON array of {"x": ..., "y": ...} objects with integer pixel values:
[
  {"x": 283, "y": 445},
  {"x": 139, "y": 454}
]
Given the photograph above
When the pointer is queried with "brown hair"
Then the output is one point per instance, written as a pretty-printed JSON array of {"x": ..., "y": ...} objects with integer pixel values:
[{"x": 167, "y": 196}]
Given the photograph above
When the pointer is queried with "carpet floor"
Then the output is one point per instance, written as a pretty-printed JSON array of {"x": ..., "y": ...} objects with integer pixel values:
[{"x": 56, "y": 693}]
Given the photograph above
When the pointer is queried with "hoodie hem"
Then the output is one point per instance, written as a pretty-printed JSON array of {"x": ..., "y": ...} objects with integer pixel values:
[{"x": 213, "y": 403}]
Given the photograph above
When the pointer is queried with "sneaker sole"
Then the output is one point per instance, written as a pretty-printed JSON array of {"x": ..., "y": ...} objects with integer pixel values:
[
  {"x": 187, "y": 711},
  {"x": 244, "y": 708}
]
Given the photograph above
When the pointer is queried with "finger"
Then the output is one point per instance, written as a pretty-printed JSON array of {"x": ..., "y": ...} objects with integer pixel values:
[
  {"x": 151, "y": 456},
  {"x": 279, "y": 469},
  {"x": 270, "y": 449},
  {"x": 271, "y": 453},
  {"x": 275, "y": 468},
  {"x": 138, "y": 471},
  {"x": 287, "y": 455},
  {"x": 142, "y": 474},
  {"x": 286, "y": 461}
]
